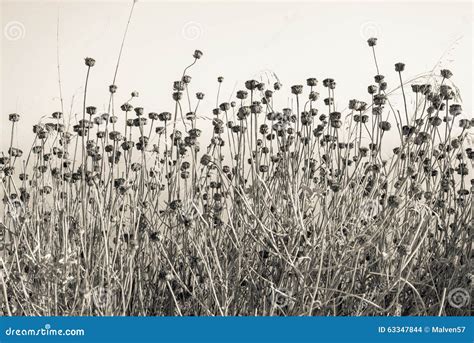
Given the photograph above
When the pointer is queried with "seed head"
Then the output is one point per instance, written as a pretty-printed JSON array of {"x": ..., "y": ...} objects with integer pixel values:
[
  {"x": 312, "y": 82},
  {"x": 297, "y": 89},
  {"x": 379, "y": 78},
  {"x": 416, "y": 88},
  {"x": 153, "y": 115},
  {"x": 90, "y": 62},
  {"x": 164, "y": 116},
  {"x": 372, "y": 89},
  {"x": 91, "y": 110},
  {"x": 242, "y": 95},
  {"x": 126, "y": 107},
  {"x": 205, "y": 160},
  {"x": 251, "y": 84},
  {"x": 399, "y": 67},
  {"x": 455, "y": 110},
  {"x": 14, "y": 117},
  {"x": 186, "y": 79},
  {"x": 328, "y": 83},
  {"x": 177, "y": 96},
  {"x": 385, "y": 126},
  {"x": 139, "y": 111}
]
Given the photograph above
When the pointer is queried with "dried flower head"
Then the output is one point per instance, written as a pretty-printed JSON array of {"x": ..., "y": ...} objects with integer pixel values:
[
  {"x": 91, "y": 110},
  {"x": 197, "y": 54},
  {"x": 312, "y": 82},
  {"x": 13, "y": 117},
  {"x": 126, "y": 107},
  {"x": 446, "y": 73},
  {"x": 297, "y": 89},
  {"x": 372, "y": 41},
  {"x": 90, "y": 62}
]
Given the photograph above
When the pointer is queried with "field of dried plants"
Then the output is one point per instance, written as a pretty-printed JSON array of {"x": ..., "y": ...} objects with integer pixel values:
[{"x": 266, "y": 211}]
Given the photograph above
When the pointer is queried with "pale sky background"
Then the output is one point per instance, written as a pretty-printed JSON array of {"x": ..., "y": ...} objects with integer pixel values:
[{"x": 240, "y": 40}]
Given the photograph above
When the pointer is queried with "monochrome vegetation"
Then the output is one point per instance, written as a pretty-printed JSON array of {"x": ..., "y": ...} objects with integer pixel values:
[{"x": 280, "y": 211}]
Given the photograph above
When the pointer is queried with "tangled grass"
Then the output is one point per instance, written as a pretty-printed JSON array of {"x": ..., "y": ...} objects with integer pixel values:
[{"x": 291, "y": 212}]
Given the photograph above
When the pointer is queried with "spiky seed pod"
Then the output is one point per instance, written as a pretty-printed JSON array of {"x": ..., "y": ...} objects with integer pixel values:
[
  {"x": 197, "y": 54},
  {"x": 399, "y": 67}
]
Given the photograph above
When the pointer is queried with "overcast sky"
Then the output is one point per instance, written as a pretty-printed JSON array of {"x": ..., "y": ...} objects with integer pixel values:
[{"x": 240, "y": 40}]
